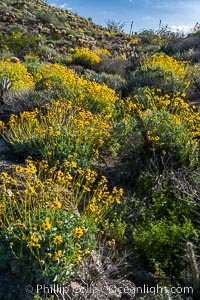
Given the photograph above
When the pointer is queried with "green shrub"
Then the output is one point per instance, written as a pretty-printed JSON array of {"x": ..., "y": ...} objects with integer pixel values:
[
  {"x": 31, "y": 62},
  {"x": 113, "y": 66},
  {"x": 113, "y": 81},
  {"x": 163, "y": 72},
  {"x": 50, "y": 17},
  {"x": 167, "y": 133},
  {"x": 164, "y": 219},
  {"x": 160, "y": 242},
  {"x": 47, "y": 245},
  {"x": 17, "y": 41}
]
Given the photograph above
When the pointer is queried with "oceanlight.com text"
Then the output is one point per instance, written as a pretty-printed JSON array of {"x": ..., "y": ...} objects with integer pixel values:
[
  {"x": 63, "y": 291},
  {"x": 154, "y": 290}
]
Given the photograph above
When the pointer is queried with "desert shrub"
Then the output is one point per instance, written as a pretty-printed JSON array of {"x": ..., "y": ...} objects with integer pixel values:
[
  {"x": 152, "y": 133},
  {"x": 41, "y": 227},
  {"x": 84, "y": 56},
  {"x": 62, "y": 131},
  {"x": 5, "y": 54},
  {"x": 49, "y": 17},
  {"x": 192, "y": 55},
  {"x": 86, "y": 94},
  {"x": 161, "y": 71},
  {"x": 164, "y": 219},
  {"x": 160, "y": 242},
  {"x": 20, "y": 42},
  {"x": 195, "y": 77},
  {"x": 47, "y": 53},
  {"x": 17, "y": 73},
  {"x": 115, "y": 26},
  {"x": 112, "y": 66},
  {"x": 31, "y": 62},
  {"x": 190, "y": 42},
  {"x": 115, "y": 224},
  {"x": 113, "y": 81},
  {"x": 40, "y": 252},
  {"x": 167, "y": 133},
  {"x": 149, "y": 101},
  {"x": 28, "y": 99},
  {"x": 149, "y": 36},
  {"x": 18, "y": 28}
]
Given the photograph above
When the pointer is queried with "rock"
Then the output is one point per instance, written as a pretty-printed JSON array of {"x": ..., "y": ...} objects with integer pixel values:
[
  {"x": 4, "y": 148},
  {"x": 15, "y": 59}
]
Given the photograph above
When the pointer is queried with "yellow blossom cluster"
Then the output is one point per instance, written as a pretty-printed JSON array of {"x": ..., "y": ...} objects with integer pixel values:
[
  {"x": 16, "y": 73},
  {"x": 59, "y": 125},
  {"x": 167, "y": 63},
  {"x": 84, "y": 56},
  {"x": 181, "y": 112},
  {"x": 79, "y": 232},
  {"x": 86, "y": 94}
]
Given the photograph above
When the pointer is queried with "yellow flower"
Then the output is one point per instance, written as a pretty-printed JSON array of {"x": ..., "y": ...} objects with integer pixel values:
[
  {"x": 79, "y": 231},
  {"x": 57, "y": 240},
  {"x": 19, "y": 169},
  {"x": 48, "y": 205},
  {"x": 57, "y": 254},
  {"x": 46, "y": 225},
  {"x": 30, "y": 190},
  {"x": 104, "y": 179},
  {"x": 32, "y": 169},
  {"x": 74, "y": 164},
  {"x": 43, "y": 164},
  {"x": 31, "y": 244},
  {"x": 78, "y": 257},
  {"x": 86, "y": 188},
  {"x": 34, "y": 238},
  {"x": 111, "y": 243},
  {"x": 93, "y": 207},
  {"x": 2, "y": 125},
  {"x": 57, "y": 204},
  {"x": 35, "y": 227},
  {"x": 57, "y": 133},
  {"x": 164, "y": 152},
  {"x": 4, "y": 175}
]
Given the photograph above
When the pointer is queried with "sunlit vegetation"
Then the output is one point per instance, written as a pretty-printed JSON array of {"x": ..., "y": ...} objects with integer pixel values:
[{"x": 103, "y": 129}]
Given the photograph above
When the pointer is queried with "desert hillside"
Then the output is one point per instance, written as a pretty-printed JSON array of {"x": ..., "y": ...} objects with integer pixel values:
[{"x": 99, "y": 158}]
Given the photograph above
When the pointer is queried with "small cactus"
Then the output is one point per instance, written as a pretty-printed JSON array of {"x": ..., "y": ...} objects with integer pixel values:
[{"x": 5, "y": 85}]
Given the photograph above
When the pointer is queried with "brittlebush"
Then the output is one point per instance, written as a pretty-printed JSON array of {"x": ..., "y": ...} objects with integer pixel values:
[
  {"x": 49, "y": 218},
  {"x": 86, "y": 94},
  {"x": 17, "y": 74},
  {"x": 61, "y": 131}
]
